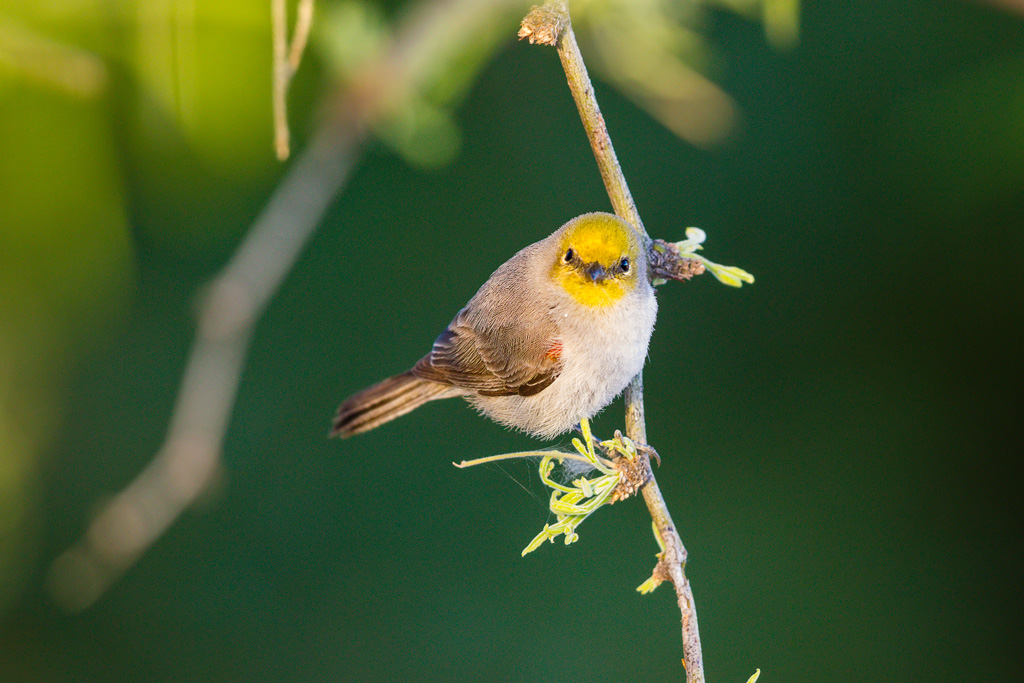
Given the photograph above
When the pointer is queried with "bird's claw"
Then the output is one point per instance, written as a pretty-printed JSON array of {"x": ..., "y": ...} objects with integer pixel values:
[
  {"x": 613, "y": 453},
  {"x": 649, "y": 451}
]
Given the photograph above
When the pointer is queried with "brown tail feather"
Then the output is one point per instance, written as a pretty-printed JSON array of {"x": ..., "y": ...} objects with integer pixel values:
[{"x": 385, "y": 401}]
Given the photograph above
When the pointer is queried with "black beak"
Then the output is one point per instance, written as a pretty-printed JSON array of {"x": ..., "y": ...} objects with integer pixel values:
[{"x": 594, "y": 271}]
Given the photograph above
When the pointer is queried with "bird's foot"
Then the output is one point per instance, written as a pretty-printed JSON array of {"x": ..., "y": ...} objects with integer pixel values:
[
  {"x": 649, "y": 451},
  {"x": 615, "y": 448},
  {"x": 618, "y": 460},
  {"x": 620, "y": 445}
]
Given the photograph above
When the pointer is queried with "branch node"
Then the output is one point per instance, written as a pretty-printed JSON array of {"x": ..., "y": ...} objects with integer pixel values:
[
  {"x": 545, "y": 24},
  {"x": 633, "y": 472},
  {"x": 667, "y": 262}
]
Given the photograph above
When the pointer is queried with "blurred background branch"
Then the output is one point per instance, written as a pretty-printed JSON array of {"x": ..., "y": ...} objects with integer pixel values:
[
  {"x": 287, "y": 57},
  {"x": 190, "y": 457}
]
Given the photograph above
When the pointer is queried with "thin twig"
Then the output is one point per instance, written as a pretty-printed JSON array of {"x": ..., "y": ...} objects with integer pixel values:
[
  {"x": 303, "y": 24},
  {"x": 287, "y": 56},
  {"x": 518, "y": 456},
  {"x": 189, "y": 459},
  {"x": 539, "y": 26},
  {"x": 279, "y": 28}
]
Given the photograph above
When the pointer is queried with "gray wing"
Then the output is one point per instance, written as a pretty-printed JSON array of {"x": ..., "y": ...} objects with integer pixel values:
[{"x": 505, "y": 355}]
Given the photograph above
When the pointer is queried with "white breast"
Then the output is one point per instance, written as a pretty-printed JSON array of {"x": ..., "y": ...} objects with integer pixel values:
[{"x": 602, "y": 350}]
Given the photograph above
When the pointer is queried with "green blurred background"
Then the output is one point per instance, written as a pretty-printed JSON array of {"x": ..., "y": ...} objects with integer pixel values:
[{"x": 838, "y": 439}]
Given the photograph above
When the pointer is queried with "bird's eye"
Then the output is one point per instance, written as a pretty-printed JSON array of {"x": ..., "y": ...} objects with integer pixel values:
[
  {"x": 624, "y": 265},
  {"x": 569, "y": 256}
]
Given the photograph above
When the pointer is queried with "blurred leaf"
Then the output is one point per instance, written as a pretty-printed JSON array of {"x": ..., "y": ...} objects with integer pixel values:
[
  {"x": 43, "y": 61},
  {"x": 19, "y": 489},
  {"x": 348, "y": 35},
  {"x": 65, "y": 274},
  {"x": 420, "y": 124},
  {"x": 426, "y": 135},
  {"x": 653, "y": 51},
  {"x": 650, "y": 49},
  {"x": 206, "y": 67}
]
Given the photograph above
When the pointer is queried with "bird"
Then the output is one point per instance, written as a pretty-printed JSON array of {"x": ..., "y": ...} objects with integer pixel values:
[{"x": 548, "y": 341}]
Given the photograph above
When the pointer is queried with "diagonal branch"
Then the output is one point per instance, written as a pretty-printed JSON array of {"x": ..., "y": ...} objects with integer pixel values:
[
  {"x": 189, "y": 459},
  {"x": 551, "y": 25}
]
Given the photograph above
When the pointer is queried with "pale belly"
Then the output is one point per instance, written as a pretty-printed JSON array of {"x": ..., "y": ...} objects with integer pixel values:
[{"x": 598, "y": 366}]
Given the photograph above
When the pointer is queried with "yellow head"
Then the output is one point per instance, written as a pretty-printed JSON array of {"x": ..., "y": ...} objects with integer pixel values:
[{"x": 599, "y": 259}]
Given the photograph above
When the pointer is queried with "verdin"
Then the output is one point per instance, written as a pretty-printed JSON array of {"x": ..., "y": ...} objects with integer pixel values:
[{"x": 550, "y": 339}]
